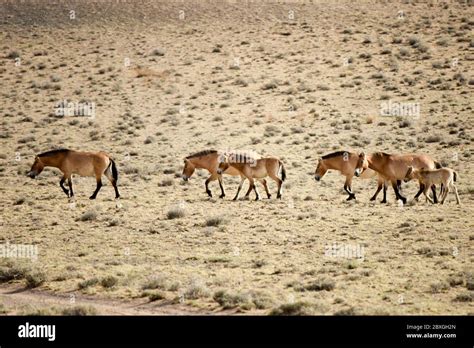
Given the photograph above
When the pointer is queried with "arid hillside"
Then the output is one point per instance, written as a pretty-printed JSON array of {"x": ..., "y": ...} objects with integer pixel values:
[{"x": 150, "y": 82}]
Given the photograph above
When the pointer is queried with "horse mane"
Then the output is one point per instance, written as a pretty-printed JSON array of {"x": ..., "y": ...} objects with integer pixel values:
[
  {"x": 335, "y": 154},
  {"x": 381, "y": 154},
  {"x": 201, "y": 153},
  {"x": 53, "y": 152}
]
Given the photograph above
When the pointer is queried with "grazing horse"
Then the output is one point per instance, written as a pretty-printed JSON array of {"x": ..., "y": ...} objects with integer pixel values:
[
  {"x": 345, "y": 162},
  {"x": 254, "y": 169},
  {"x": 77, "y": 162},
  {"x": 209, "y": 160},
  {"x": 395, "y": 167}
]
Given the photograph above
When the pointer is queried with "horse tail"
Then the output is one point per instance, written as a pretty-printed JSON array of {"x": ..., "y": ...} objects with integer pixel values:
[
  {"x": 283, "y": 171},
  {"x": 455, "y": 176},
  {"x": 114, "y": 170},
  {"x": 437, "y": 165}
]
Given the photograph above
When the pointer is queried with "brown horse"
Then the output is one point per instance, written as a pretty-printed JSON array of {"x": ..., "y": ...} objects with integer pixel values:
[
  {"x": 254, "y": 169},
  {"x": 345, "y": 162},
  {"x": 395, "y": 167},
  {"x": 209, "y": 160},
  {"x": 76, "y": 162}
]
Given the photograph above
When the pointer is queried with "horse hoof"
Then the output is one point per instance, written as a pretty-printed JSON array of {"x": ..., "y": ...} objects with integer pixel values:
[
  {"x": 221, "y": 196},
  {"x": 209, "y": 194},
  {"x": 278, "y": 197},
  {"x": 257, "y": 199},
  {"x": 269, "y": 196},
  {"x": 92, "y": 197},
  {"x": 383, "y": 201},
  {"x": 372, "y": 199}
]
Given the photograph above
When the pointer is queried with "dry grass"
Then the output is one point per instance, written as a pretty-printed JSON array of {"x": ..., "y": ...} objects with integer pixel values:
[{"x": 293, "y": 89}]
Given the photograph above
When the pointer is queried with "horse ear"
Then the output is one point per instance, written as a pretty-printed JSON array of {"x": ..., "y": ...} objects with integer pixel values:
[{"x": 362, "y": 155}]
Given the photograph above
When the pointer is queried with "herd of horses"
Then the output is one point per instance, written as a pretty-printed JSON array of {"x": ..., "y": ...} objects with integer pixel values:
[{"x": 388, "y": 168}]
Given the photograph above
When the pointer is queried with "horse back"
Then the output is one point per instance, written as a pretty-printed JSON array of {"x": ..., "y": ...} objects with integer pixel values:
[{"x": 86, "y": 163}]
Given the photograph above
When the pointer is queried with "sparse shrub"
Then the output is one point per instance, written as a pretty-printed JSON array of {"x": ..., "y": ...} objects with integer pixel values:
[
  {"x": 259, "y": 263},
  {"x": 109, "y": 282},
  {"x": 433, "y": 139},
  {"x": 214, "y": 221},
  {"x": 79, "y": 311},
  {"x": 13, "y": 55},
  {"x": 439, "y": 287},
  {"x": 19, "y": 201},
  {"x": 89, "y": 215},
  {"x": 227, "y": 300},
  {"x": 155, "y": 283},
  {"x": 296, "y": 308},
  {"x": 149, "y": 140},
  {"x": 323, "y": 87},
  {"x": 88, "y": 283},
  {"x": 270, "y": 85},
  {"x": 155, "y": 295},
  {"x": 321, "y": 284},
  {"x": 464, "y": 297},
  {"x": 166, "y": 182},
  {"x": 12, "y": 272},
  {"x": 175, "y": 213},
  {"x": 35, "y": 279},
  {"x": 196, "y": 290},
  {"x": 157, "y": 52},
  {"x": 405, "y": 123}
]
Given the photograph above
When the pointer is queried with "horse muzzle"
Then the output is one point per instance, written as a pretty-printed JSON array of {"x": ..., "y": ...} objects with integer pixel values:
[
  {"x": 185, "y": 178},
  {"x": 31, "y": 175},
  {"x": 317, "y": 177},
  {"x": 357, "y": 172},
  {"x": 220, "y": 171}
]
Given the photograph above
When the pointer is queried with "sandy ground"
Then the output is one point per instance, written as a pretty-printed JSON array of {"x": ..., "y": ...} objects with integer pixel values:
[{"x": 295, "y": 80}]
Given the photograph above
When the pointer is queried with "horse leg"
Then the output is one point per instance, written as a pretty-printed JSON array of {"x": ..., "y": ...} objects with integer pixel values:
[
  {"x": 279, "y": 182},
  {"x": 347, "y": 188},
  {"x": 209, "y": 179},
  {"x": 384, "y": 200},
  {"x": 252, "y": 184},
  {"x": 458, "y": 201},
  {"x": 420, "y": 191},
  {"x": 61, "y": 183},
  {"x": 99, "y": 185},
  {"x": 446, "y": 191},
  {"x": 69, "y": 182},
  {"x": 113, "y": 182},
  {"x": 397, "y": 192},
  {"x": 264, "y": 183},
  {"x": 242, "y": 179},
  {"x": 433, "y": 189},
  {"x": 425, "y": 192},
  {"x": 379, "y": 188},
  {"x": 219, "y": 177}
]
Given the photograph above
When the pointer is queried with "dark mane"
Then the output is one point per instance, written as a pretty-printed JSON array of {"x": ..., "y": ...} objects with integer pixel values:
[
  {"x": 381, "y": 154},
  {"x": 335, "y": 154},
  {"x": 201, "y": 153},
  {"x": 53, "y": 152}
]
